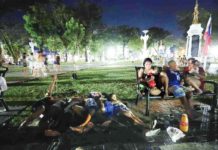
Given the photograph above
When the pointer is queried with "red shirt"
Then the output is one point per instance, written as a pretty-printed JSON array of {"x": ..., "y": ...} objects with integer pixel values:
[{"x": 201, "y": 72}]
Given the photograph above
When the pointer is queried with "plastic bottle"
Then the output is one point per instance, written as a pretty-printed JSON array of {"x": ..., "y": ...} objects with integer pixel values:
[{"x": 184, "y": 125}]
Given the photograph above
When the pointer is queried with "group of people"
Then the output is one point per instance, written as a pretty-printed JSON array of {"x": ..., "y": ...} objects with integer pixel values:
[
  {"x": 80, "y": 114},
  {"x": 38, "y": 64},
  {"x": 77, "y": 114},
  {"x": 171, "y": 80}
]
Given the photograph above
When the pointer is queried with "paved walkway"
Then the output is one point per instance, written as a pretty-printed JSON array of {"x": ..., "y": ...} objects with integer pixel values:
[{"x": 70, "y": 67}]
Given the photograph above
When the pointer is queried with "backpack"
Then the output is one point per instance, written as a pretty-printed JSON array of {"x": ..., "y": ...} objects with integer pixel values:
[{"x": 74, "y": 76}]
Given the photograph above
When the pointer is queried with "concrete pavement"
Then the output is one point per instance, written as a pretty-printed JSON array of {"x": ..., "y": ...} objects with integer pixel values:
[{"x": 71, "y": 67}]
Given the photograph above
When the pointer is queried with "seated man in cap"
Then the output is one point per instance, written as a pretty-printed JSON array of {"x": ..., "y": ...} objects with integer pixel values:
[{"x": 176, "y": 87}]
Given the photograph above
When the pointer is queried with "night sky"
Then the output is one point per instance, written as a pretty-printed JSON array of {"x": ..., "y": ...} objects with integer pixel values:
[
  {"x": 143, "y": 13},
  {"x": 147, "y": 13}
]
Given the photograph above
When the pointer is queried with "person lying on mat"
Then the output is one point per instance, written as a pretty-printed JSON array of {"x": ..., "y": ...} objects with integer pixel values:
[{"x": 42, "y": 106}]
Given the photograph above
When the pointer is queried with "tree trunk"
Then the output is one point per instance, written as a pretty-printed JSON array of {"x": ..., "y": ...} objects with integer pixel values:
[
  {"x": 124, "y": 51},
  {"x": 9, "y": 46},
  {"x": 1, "y": 57},
  {"x": 66, "y": 56},
  {"x": 16, "y": 60},
  {"x": 86, "y": 55},
  {"x": 41, "y": 47},
  {"x": 16, "y": 56}
]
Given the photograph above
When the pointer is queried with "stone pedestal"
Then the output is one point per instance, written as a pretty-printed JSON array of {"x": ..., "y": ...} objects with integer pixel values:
[{"x": 193, "y": 45}]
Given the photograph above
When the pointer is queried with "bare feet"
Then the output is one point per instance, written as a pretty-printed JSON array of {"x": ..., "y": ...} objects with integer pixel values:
[{"x": 48, "y": 95}]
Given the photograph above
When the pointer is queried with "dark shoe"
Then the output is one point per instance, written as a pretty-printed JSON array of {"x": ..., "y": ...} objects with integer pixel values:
[{"x": 197, "y": 107}]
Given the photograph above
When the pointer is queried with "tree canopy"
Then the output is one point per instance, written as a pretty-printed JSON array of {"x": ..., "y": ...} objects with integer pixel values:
[
  {"x": 156, "y": 35},
  {"x": 88, "y": 14},
  {"x": 14, "y": 38},
  {"x": 126, "y": 33},
  {"x": 54, "y": 26}
]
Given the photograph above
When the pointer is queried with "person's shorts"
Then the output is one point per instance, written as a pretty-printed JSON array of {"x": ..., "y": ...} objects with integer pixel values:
[
  {"x": 177, "y": 91},
  {"x": 91, "y": 104},
  {"x": 119, "y": 107}
]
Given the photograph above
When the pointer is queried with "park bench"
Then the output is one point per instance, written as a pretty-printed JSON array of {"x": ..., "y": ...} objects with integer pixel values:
[
  {"x": 3, "y": 71},
  {"x": 147, "y": 96}
]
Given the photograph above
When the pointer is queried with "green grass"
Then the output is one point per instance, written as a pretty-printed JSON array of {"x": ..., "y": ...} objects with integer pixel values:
[
  {"x": 14, "y": 68},
  {"x": 120, "y": 81}
]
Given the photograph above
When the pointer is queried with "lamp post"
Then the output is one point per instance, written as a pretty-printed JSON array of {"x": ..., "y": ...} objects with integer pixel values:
[{"x": 145, "y": 40}]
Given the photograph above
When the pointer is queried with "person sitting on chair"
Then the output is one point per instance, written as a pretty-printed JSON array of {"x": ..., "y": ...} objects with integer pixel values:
[
  {"x": 152, "y": 78},
  {"x": 194, "y": 75},
  {"x": 176, "y": 87}
]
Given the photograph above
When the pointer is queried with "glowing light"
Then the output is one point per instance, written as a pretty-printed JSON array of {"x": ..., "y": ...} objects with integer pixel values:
[
  {"x": 213, "y": 51},
  {"x": 113, "y": 52}
]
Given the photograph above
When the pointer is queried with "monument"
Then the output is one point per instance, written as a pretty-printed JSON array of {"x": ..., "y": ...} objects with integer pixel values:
[
  {"x": 145, "y": 39},
  {"x": 193, "y": 44}
]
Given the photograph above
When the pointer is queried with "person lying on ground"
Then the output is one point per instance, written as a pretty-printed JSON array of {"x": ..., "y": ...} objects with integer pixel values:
[
  {"x": 42, "y": 106},
  {"x": 113, "y": 107},
  {"x": 194, "y": 75},
  {"x": 83, "y": 116},
  {"x": 152, "y": 78},
  {"x": 78, "y": 117},
  {"x": 94, "y": 104},
  {"x": 73, "y": 117},
  {"x": 109, "y": 106}
]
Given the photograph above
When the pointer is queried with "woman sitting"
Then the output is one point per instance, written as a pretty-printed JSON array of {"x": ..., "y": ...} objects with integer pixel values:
[{"x": 150, "y": 77}]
